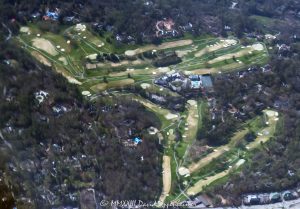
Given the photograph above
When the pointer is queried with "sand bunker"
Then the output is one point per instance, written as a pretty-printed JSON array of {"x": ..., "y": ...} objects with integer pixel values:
[
  {"x": 80, "y": 27},
  {"x": 92, "y": 56},
  {"x": 24, "y": 30},
  {"x": 86, "y": 93},
  {"x": 152, "y": 130},
  {"x": 41, "y": 58},
  {"x": 258, "y": 47},
  {"x": 192, "y": 102},
  {"x": 73, "y": 80},
  {"x": 63, "y": 60},
  {"x": 170, "y": 116},
  {"x": 271, "y": 113},
  {"x": 44, "y": 45},
  {"x": 183, "y": 171},
  {"x": 145, "y": 85}
]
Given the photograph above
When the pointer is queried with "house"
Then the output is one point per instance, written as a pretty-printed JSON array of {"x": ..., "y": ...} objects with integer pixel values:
[
  {"x": 288, "y": 195},
  {"x": 196, "y": 84},
  {"x": 41, "y": 96},
  {"x": 49, "y": 15},
  {"x": 207, "y": 82},
  {"x": 251, "y": 200},
  {"x": 59, "y": 110},
  {"x": 275, "y": 197}
]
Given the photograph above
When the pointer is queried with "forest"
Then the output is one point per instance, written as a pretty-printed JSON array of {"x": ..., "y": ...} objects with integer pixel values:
[{"x": 66, "y": 145}]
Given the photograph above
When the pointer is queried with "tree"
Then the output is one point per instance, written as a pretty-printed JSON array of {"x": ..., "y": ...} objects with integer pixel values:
[{"x": 105, "y": 79}]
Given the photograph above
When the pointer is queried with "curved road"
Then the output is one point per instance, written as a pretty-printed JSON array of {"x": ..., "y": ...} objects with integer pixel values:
[{"x": 8, "y": 37}]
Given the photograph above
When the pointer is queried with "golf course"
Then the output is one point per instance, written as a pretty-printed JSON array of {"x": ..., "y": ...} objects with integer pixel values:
[{"x": 88, "y": 60}]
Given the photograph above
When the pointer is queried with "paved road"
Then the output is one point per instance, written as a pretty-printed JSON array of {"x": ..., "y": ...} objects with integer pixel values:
[
  {"x": 294, "y": 204},
  {"x": 9, "y": 32}
]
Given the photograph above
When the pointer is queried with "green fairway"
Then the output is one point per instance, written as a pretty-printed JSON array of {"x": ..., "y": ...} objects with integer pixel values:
[{"x": 72, "y": 48}]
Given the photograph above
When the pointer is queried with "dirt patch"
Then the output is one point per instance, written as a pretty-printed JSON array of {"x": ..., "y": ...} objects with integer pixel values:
[
  {"x": 41, "y": 58},
  {"x": 166, "y": 45},
  {"x": 44, "y": 45}
]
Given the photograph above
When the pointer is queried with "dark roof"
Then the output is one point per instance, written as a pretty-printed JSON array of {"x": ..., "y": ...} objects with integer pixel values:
[{"x": 206, "y": 81}]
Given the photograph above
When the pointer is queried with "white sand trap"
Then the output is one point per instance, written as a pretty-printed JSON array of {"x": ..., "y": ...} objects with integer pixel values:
[
  {"x": 170, "y": 116},
  {"x": 271, "y": 113},
  {"x": 63, "y": 60},
  {"x": 130, "y": 53},
  {"x": 240, "y": 162},
  {"x": 231, "y": 41},
  {"x": 80, "y": 27},
  {"x": 92, "y": 56},
  {"x": 192, "y": 102},
  {"x": 73, "y": 80},
  {"x": 44, "y": 45},
  {"x": 24, "y": 30},
  {"x": 152, "y": 130},
  {"x": 258, "y": 47},
  {"x": 145, "y": 85},
  {"x": 86, "y": 93},
  {"x": 183, "y": 171}
]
